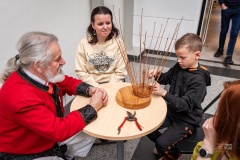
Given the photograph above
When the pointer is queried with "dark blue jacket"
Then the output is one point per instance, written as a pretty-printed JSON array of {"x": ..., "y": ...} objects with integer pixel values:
[{"x": 230, "y": 3}]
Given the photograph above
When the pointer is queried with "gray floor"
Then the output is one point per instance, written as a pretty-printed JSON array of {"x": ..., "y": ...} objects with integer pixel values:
[{"x": 219, "y": 74}]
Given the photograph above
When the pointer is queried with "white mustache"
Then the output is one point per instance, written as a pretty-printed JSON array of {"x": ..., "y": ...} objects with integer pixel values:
[
  {"x": 59, "y": 77},
  {"x": 60, "y": 69}
]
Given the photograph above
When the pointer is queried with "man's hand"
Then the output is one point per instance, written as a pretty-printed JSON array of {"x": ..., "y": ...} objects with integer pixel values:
[
  {"x": 104, "y": 96},
  {"x": 96, "y": 101},
  {"x": 92, "y": 90}
]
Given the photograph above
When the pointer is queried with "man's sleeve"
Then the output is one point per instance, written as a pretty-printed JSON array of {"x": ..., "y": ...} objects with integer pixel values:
[{"x": 73, "y": 86}]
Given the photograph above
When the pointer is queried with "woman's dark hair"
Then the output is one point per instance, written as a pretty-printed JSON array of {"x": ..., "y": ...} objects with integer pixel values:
[{"x": 90, "y": 31}]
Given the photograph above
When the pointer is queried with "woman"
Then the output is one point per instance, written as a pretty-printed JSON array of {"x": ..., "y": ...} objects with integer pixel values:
[
  {"x": 98, "y": 58},
  {"x": 222, "y": 132}
]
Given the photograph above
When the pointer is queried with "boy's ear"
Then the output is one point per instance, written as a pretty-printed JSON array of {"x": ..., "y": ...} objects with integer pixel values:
[{"x": 198, "y": 54}]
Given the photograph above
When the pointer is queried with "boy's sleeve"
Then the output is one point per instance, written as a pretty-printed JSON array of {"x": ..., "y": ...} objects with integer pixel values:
[
  {"x": 194, "y": 95},
  {"x": 220, "y": 2},
  {"x": 166, "y": 77}
]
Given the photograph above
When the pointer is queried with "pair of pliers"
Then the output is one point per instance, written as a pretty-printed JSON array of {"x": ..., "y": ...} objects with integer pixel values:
[{"x": 130, "y": 117}]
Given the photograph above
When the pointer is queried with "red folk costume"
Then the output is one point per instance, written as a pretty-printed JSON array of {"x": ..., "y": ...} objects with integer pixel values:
[{"x": 28, "y": 115}]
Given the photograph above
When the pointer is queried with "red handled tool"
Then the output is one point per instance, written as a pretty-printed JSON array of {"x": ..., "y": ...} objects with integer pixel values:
[{"x": 130, "y": 117}]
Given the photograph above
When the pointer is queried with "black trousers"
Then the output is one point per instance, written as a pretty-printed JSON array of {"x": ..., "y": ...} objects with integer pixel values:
[{"x": 175, "y": 132}]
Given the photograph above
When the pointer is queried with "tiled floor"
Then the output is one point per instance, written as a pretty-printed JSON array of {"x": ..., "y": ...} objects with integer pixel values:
[{"x": 219, "y": 73}]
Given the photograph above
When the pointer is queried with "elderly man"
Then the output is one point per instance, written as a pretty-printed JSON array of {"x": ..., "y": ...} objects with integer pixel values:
[{"x": 31, "y": 107}]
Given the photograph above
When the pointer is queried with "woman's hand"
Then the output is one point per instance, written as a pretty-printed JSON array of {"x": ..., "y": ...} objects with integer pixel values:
[{"x": 210, "y": 139}]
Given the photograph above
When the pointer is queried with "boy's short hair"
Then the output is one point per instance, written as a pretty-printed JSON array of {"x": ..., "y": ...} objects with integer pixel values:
[{"x": 191, "y": 40}]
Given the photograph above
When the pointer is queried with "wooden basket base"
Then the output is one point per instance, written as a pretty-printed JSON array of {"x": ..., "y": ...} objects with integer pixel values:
[{"x": 126, "y": 99}]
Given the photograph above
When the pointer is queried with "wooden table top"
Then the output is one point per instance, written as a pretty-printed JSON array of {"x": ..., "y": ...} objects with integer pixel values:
[{"x": 111, "y": 116}]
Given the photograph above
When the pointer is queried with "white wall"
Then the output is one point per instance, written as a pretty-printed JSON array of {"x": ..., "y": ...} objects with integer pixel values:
[
  {"x": 68, "y": 20},
  {"x": 117, "y": 8},
  {"x": 159, "y": 11}
]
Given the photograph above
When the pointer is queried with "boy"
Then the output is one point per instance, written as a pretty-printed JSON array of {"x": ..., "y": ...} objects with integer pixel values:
[{"x": 188, "y": 81}]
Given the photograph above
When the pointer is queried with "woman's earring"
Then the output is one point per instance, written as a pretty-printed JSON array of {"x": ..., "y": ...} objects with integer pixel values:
[{"x": 94, "y": 32}]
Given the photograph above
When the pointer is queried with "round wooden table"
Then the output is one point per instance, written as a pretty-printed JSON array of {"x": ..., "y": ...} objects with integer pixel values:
[{"x": 111, "y": 116}]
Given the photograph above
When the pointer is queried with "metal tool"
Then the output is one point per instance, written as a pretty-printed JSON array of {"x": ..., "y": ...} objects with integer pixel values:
[{"x": 130, "y": 117}]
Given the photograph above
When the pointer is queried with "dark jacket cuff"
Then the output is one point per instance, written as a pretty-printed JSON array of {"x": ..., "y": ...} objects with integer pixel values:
[
  {"x": 220, "y": 2},
  {"x": 168, "y": 97},
  {"x": 89, "y": 113},
  {"x": 83, "y": 89}
]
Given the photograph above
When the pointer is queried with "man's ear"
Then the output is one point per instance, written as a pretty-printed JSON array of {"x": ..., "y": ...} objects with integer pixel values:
[
  {"x": 37, "y": 67},
  {"x": 198, "y": 54}
]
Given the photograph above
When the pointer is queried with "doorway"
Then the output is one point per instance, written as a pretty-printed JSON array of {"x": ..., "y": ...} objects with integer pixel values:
[{"x": 212, "y": 34}]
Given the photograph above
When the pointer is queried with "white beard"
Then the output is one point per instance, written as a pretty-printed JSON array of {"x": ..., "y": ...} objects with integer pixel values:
[{"x": 55, "y": 79}]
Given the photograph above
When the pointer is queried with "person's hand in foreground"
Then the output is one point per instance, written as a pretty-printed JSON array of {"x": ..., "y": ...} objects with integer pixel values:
[{"x": 210, "y": 139}]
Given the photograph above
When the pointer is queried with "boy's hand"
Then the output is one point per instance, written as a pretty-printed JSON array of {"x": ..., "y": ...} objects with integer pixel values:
[
  {"x": 158, "y": 90},
  {"x": 152, "y": 73},
  {"x": 224, "y": 7}
]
